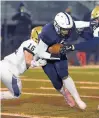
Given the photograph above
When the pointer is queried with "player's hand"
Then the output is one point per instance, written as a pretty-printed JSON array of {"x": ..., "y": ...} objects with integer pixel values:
[
  {"x": 66, "y": 48},
  {"x": 94, "y": 23},
  {"x": 42, "y": 62}
]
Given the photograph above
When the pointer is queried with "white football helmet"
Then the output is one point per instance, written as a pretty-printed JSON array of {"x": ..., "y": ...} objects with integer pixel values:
[{"x": 63, "y": 23}]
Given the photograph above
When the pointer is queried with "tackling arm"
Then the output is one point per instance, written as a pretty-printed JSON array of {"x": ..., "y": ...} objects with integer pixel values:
[
  {"x": 81, "y": 24},
  {"x": 30, "y": 60}
]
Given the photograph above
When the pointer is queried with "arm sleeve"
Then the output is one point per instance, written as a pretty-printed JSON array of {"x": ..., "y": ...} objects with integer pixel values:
[
  {"x": 41, "y": 51},
  {"x": 88, "y": 45},
  {"x": 81, "y": 24}
]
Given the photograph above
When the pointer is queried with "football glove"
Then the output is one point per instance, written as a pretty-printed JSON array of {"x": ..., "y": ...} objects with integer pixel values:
[
  {"x": 94, "y": 23},
  {"x": 40, "y": 62},
  {"x": 66, "y": 48}
]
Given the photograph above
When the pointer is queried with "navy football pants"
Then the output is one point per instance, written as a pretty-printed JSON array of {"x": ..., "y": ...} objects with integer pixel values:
[{"x": 56, "y": 71}]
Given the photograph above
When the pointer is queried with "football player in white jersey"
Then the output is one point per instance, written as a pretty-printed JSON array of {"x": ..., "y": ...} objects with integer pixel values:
[
  {"x": 95, "y": 21},
  {"x": 17, "y": 63}
]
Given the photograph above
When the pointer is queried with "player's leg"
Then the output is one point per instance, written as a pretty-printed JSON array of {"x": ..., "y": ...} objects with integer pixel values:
[
  {"x": 11, "y": 82},
  {"x": 50, "y": 70},
  {"x": 62, "y": 70},
  {"x": 61, "y": 74},
  {"x": 4, "y": 94},
  {"x": 69, "y": 84}
]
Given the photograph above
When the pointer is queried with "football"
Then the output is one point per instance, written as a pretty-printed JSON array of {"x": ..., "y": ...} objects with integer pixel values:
[{"x": 55, "y": 49}]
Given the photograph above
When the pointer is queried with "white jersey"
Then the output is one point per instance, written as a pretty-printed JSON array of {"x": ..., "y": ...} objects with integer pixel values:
[
  {"x": 16, "y": 60},
  {"x": 96, "y": 32}
]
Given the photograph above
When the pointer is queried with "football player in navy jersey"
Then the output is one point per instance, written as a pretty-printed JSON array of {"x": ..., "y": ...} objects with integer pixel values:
[{"x": 57, "y": 70}]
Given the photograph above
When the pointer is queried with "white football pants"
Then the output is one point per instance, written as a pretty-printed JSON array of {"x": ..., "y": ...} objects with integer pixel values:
[{"x": 12, "y": 82}]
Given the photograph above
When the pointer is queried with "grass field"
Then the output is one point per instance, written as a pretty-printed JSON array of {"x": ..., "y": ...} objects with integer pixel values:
[{"x": 40, "y": 100}]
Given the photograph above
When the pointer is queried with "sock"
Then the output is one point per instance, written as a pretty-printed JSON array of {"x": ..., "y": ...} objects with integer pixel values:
[
  {"x": 61, "y": 90},
  {"x": 7, "y": 95},
  {"x": 69, "y": 84}
]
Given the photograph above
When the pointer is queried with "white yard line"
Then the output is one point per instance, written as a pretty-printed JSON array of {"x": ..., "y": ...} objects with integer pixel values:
[
  {"x": 86, "y": 82},
  {"x": 53, "y": 94},
  {"x": 42, "y": 94},
  {"x": 82, "y": 87},
  {"x": 28, "y": 116},
  {"x": 52, "y": 88},
  {"x": 85, "y": 87},
  {"x": 36, "y": 80},
  {"x": 75, "y": 67},
  {"x": 84, "y": 67},
  {"x": 44, "y": 80},
  {"x": 88, "y": 73}
]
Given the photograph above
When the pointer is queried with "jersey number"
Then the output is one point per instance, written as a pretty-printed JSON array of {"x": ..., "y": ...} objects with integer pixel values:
[{"x": 31, "y": 47}]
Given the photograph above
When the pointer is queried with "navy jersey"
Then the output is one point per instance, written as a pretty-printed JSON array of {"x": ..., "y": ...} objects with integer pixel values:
[
  {"x": 50, "y": 36},
  {"x": 56, "y": 70}
]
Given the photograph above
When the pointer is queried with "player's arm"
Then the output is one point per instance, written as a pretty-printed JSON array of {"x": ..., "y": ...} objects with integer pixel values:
[
  {"x": 81, "y": 24},
  {"x": 89, "y": 45},
  {"x": 29, "y": 53},
  {"x": 30, "y": 60},
  {"x": 42, "y": 52},
  {"x": 83, "y": 46}
]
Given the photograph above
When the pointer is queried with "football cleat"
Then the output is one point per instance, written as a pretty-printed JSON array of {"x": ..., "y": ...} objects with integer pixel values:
[{"x": 81, "y": 105}]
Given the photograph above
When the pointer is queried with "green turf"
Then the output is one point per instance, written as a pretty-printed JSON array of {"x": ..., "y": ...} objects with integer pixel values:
[{"x": 47, "y": 105}]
